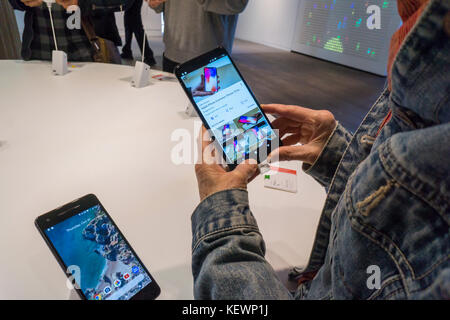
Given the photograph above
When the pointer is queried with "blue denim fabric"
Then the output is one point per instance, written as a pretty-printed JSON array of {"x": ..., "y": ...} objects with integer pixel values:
[{"x": 388, "y": 201}]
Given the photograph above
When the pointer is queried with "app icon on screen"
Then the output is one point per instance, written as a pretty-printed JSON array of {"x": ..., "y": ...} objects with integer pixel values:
[
  {"x": 98, "y": 297},
  {"x": 117, "y": 283},
  {"x": 135, "y": 270},
  {"x": 126, "y": 276},
  {"x": 107, "y": 290}
]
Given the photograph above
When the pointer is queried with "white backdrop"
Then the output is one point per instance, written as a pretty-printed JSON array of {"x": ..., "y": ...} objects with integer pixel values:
[{"x": 271, "y": 23}]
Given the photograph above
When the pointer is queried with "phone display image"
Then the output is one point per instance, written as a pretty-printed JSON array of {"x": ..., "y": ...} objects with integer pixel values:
[
  {"x": 249, "y": 120},
  {"x": 226, "y": 131},
  {"x": 250, "y": 132},
  {"x": 107, "y": 267},
  {"x": 231, "y": 112},
  {"x": 211, "y": 82}
]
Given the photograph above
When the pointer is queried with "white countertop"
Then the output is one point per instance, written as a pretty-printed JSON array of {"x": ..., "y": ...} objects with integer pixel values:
[{"x": 91, "y": 132}]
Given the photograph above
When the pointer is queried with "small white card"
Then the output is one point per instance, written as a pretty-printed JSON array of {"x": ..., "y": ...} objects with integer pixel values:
[{"x": 281, "y": 179}]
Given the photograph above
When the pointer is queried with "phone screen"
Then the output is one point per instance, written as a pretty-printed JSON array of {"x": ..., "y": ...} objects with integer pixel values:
[
  {"x": 239, "y": 126},
  {"x": 211, "y": 79},
  {"x": 100, "y": 260}
]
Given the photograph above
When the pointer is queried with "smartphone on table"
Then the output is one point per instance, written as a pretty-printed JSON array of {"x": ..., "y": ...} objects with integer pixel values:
[
  {"x": 232, "y": 114},
  {"x": 94, "y": 254}
]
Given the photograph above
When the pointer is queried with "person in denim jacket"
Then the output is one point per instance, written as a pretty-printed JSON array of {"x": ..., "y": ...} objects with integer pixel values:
[{"x": 388, "y": 184}]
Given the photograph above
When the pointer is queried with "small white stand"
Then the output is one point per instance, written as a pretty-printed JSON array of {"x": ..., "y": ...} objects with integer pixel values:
[
  {"x": 141, "y": 77},
  {"x": 59, "y": 58},
  {"x": 190, "y": 110},
  {"x": 59, "y": 63}
]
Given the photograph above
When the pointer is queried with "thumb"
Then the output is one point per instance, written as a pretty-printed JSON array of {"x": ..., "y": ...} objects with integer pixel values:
[
  {"x": 305, "y": 153},
  {"x": 247, "y": 169}
]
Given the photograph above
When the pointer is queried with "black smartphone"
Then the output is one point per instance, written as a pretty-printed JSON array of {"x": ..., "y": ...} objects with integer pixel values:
[
  {"x": 94, "y": 254},
  {"x": 239, "y": 126}
]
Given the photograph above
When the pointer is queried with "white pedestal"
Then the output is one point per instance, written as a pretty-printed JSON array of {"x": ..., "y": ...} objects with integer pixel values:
[
  {"x": 59, "y": 62},
  {"x": 141, "y": 76}
]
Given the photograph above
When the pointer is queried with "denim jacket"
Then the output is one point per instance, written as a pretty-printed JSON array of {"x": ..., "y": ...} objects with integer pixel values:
[{"x": 388, "y": 202}]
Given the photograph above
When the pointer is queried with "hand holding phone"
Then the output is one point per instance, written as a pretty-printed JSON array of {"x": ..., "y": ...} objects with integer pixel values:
[
  {"x": 212, "y": 177},
  {"x": 232, "y": 114}
]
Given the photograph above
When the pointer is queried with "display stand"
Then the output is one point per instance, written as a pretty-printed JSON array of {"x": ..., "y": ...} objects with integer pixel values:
[
  {"x": 141, "y": 77},
  {"x": 59, "y": 63},
  {"x": 59, "y": 58}
]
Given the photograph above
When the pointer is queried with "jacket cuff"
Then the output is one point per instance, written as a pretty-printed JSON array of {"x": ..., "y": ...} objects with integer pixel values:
[
  {"x": 325, "y": 166},
  {"x": 221, "y": 211}
]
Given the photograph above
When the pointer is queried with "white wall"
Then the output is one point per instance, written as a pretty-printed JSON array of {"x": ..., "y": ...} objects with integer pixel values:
[{"x": 269, "y": 22}]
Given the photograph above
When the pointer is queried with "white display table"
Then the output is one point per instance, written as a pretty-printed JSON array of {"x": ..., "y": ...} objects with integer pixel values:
[{"x": 91, "y": 132}]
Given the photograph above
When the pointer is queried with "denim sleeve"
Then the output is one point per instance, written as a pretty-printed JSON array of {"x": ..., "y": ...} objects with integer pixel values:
[
  {"x": 325, "y": 166},
  {"x": 228, "y": 251}
]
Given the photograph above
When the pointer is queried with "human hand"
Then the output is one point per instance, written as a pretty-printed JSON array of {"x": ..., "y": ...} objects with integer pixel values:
[
  {"x": 311, "y": 128},
  {"x": 154, "y": 3},
  {"x": 212, "y": 177},
  {"x": 199, "y": 91},
  {"x": 32, "y": 3},
  {"x": 67, "y": 3}
]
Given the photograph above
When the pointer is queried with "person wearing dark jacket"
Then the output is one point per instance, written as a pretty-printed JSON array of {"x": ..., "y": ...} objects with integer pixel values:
[
  {"x": 133, "y": 25},
  {"x": 37, "y": 39}
]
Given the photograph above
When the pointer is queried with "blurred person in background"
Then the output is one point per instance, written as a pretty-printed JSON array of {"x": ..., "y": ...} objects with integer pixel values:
[
  {"x": 37, "y": 39},
  {"x": 133, "y": 25},
  {"x": 193, "y": 27}
]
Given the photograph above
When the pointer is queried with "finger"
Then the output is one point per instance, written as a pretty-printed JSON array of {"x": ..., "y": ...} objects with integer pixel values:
[
  {"x": 288, "y": 111},
  {"x": 204, "y": 138},
  {"x": 202, "y": 142},
  {"x": 254, "y": 175},
  {"x": 284, "y": 124},
  {"x": 292, "y": 139},
  {"x": 247, "y": 169},
  {"x": 208, "y": 153},
  {"x": 303, "y": 153}
]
